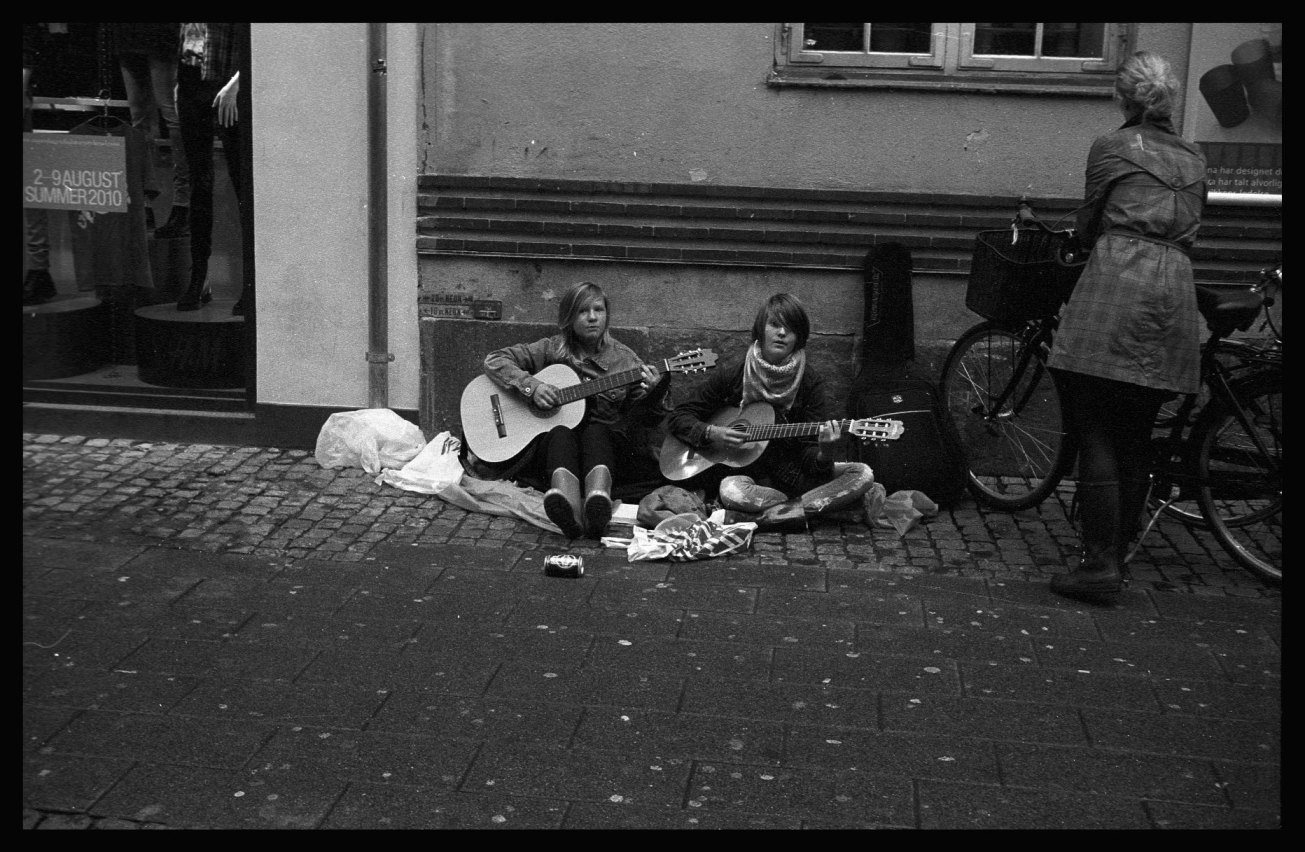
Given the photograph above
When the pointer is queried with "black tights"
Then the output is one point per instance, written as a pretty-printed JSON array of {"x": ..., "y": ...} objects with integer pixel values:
[
  {"x": 579, "y": 450},
  {"x": 1112, "y": 423}
]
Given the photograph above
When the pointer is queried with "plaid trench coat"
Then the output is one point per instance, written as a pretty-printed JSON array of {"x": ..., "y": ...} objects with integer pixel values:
[{"x": 1133, "y": 315}]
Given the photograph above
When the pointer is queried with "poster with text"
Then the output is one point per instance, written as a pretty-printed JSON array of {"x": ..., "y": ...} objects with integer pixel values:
[
  {"x": 69, "y": 172},
  {"x": 1234, "y": 105}
]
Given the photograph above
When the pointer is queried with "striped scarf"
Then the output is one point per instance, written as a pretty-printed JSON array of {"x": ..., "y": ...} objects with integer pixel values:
[{"x": 776, "y": 384}]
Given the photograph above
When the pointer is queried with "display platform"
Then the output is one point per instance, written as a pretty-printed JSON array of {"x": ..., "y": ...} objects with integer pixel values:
[
  {"x": 191, "y": 349},
  {"x": 64, "y": 337}
]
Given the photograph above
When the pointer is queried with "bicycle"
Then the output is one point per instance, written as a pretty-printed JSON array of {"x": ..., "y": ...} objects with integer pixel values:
[{"x": 1218, "y": 452}]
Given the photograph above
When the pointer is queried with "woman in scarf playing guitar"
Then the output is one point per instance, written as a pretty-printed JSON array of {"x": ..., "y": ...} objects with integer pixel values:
[
  {"x": 611, "y": 437},
  {"x": 791, "y": 480}
]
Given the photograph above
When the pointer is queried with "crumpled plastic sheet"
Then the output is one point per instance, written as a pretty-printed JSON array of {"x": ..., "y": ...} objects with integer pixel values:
[
  {"x": 901, "y": 510},
  {"x": 705, "y": 539},
  {"x": 437, "y": 470}
]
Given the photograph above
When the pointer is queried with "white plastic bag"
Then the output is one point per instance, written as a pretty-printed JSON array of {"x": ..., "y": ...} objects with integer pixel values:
[
  {"x": 437, "y": 470},
  {"x": 371, "y": 438},
  {"x": 904, "y": 509}
]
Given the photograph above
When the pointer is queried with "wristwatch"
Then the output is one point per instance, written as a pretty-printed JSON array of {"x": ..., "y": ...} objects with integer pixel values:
[{"x": 527, "y": 391}]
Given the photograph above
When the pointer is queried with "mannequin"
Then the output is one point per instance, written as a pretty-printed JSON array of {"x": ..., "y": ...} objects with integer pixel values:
[
  {"x": 208, "y": 85},
  {"x": 38, "y": 286},
  {"x": 147, "y": 57}
]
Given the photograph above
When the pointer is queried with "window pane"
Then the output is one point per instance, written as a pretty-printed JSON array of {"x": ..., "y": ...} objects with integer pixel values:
[
  {"x": 833, "y": 37},
  {"x": 1005, "y": 39},
  {"x": 901, "y": 38},
  {"x": 1077, "y": 40}
]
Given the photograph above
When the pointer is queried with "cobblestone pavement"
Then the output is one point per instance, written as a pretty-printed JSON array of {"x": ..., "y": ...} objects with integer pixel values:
[{"x": 223, "y": 636}]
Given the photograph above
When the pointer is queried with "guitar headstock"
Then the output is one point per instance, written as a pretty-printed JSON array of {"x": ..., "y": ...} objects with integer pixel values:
[
  {"x": 693, "y": 361},
  {"x": 876, "y": 429}
]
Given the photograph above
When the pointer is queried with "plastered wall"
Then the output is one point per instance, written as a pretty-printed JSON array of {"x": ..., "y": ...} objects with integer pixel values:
[{"x": 311, "y": 224}]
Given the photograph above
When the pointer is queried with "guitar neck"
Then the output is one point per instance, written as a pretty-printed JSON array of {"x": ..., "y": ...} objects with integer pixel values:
[
  {"x": 774, "y": 431},
  {"x": 604, "y": 383}
]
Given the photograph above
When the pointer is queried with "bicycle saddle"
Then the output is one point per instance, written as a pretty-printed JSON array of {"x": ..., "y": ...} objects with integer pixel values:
[{"x": 1227, "y": 307}]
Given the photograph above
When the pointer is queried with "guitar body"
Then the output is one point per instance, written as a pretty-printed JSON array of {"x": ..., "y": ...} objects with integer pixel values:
[
  {"x": 678, "y": 460},
  {"x": 484, "y": 404}
]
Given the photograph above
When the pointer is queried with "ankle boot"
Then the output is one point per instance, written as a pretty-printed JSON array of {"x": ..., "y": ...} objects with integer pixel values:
[
  {"x": 598, "y": 500},
  {"x": 178, "y": 224},
  {"x": 241, "y": 307},
  {"x": 1098, "y": 577},
  {"x": 197, "y": 294},
  {"x": 38, "y": 287},
  {"x": 562, "y": 502}
]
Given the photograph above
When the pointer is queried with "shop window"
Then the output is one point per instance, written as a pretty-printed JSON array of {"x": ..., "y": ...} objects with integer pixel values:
[{"x": 1015, "y": 57}]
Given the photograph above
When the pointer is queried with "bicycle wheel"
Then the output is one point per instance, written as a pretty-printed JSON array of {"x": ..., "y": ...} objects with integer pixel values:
[
  {"x": 1241, "y": 475},
  {"x": 1004, "y": 403}
]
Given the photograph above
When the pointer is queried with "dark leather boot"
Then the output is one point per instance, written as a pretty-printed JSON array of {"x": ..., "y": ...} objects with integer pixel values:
[
  {"x": 241, "y": 307},
  {"x": 38, "y": 287},
  {"x": 562, "y": 502},
  {"x": 598, "y": 500},
  {"x": 198, "y": 293},
  {"x": 1098, "y": 577}
]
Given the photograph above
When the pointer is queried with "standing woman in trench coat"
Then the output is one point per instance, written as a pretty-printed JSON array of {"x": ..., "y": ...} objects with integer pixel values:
[{"x": 1130, "y": 336}]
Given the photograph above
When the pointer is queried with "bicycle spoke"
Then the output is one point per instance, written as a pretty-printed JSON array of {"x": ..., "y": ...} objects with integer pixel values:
[
  {"x": 1006, "y": 410},
  {"x": 1240, "y": 460}
]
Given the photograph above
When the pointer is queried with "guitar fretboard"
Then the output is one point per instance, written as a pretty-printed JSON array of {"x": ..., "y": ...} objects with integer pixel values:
[
  {"x": 611, "y": 380},
  {"x": 788, "y": 430}
]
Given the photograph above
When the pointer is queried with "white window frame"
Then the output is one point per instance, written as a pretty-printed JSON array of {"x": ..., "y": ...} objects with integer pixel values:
[
  {"x": 951, "y": 64},
  {"x": 967, "y": 58},
  {"x": 801, "y": 56}
]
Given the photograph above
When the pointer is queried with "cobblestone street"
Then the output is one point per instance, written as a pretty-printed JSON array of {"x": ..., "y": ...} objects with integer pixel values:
[{"x": 206, "y": 623}]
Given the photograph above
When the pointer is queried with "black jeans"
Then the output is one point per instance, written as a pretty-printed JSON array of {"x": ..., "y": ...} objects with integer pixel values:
[{"x": 199, "y": 125}]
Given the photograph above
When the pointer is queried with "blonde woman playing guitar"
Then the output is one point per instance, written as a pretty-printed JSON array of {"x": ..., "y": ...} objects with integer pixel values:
[
  {"x": 792, "y": 480},
  {"x": 612, "y": 438}
]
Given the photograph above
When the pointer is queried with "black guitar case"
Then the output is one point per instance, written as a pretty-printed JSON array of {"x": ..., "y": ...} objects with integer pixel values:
[{"x": 927, "y": 456}]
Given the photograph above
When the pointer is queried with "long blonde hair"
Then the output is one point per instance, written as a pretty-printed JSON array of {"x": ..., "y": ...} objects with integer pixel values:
[
  {"x": 1146, "y": 84},
  {"x": 569, "y": 308}
]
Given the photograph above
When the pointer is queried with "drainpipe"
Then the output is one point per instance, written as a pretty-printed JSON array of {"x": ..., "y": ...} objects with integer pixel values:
[{"x": 378, "y": 355}]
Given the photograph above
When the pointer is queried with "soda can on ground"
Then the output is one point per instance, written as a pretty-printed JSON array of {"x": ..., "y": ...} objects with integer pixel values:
[{"x": 564, "y": 565}]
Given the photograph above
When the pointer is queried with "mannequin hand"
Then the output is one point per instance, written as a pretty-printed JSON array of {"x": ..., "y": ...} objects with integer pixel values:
[{"x": 225, "y": 102}]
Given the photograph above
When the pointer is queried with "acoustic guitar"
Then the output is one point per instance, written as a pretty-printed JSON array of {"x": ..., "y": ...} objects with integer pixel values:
[
  {"x": 497, "y": 423},
  {"x": 680, "y": 461}
]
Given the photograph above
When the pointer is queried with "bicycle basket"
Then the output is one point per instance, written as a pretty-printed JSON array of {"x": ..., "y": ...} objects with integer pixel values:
[{"x": 1022, "y": 280}]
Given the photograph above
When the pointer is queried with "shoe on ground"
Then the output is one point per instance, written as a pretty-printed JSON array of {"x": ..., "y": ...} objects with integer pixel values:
[
  {"x": 38, "y": 287},
  {"x": 1092, "y": 584}
]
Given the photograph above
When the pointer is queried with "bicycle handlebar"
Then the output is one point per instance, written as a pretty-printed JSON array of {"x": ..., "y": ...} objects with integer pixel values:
[{"x": 1026, "y": 218}]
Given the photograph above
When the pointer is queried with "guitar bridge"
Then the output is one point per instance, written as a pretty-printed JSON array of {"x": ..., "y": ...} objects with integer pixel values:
[{"x": 498, "y": 415}]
